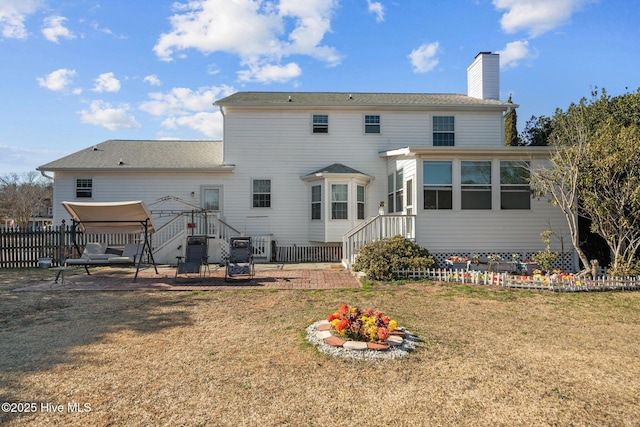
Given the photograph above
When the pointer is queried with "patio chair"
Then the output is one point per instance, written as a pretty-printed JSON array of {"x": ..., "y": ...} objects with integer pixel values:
[
  {"x": 240, "y": 261},
  {"x": 195, "y": 263}
]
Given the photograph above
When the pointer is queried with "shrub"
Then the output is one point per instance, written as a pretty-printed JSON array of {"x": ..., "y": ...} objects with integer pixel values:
[{"x": 380, "y": 258}]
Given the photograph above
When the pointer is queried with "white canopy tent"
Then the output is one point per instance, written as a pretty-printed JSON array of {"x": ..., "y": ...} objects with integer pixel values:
[{"x": 114, "y": 217}]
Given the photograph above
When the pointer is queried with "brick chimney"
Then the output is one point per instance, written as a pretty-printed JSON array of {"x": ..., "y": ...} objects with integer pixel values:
[{"x": 483, "y": 76}]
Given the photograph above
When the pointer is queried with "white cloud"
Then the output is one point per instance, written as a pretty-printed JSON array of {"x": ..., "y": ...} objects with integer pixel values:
[
  {"x": 270, "y": 73},
  {"x": 54, "y": 29},
  {"x": 424, "y": 58},
  {"x": 106, "y": 82},
  {"x": 57, "y": 80},
  {"x": 13, "y": 13},
  {"x": 516, "y": 52},
  {"x": 101, "y": 113},
  {"x": 209, "y": 124},
  {"x": 536, "y": 16},
  {"x": 152, "y": 79},
  {"x": 187, "y": 107},
  {"x": 377, "y": 9},
  {"x": 257, "y": 32}
]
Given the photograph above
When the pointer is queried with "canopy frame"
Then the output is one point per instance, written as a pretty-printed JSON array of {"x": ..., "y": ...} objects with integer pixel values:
[{"x": 139, "y": 222}]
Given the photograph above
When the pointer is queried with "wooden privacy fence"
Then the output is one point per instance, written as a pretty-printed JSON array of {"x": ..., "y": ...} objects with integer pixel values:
[
  {"x": 22, "y": 248},
  {"x": 505, "y": 280}
]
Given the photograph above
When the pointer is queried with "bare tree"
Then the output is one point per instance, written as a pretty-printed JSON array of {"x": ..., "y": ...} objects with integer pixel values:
[
  {"x": 24, "y": 195},
  {"x": 560, "y": 182}
]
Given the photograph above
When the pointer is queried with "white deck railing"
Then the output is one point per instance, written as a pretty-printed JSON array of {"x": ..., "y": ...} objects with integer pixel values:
[{"x": 376, "y": 228}]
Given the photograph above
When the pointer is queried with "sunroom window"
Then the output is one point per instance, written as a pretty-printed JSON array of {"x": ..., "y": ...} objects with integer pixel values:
[
  {"x": 515, "y": 192},
  {"x": 438, "y": 188},
  {"x": 476, "y": 185}
]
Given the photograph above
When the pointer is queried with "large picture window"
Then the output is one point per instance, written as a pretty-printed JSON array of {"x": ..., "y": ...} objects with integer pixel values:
[
  {"x": 443, "y": 131},
  {"x": 438, "y": 188},
  {"x": 515, "y": 192},
  {"x": 476, "y": 185},
  {"x": 261, "y": 193},
  {"x": 339, "y": 201},
  {"x": 84, "y": 187}
]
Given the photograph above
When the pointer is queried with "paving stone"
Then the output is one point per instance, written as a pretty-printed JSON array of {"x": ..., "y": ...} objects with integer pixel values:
[
  {"x": 395, "y": 340},
  {"x": 399, "y": 333},
  {"x": 324, "y": 322},
  {"x": 355, "y": 345},
  {"x": 334, "y": 341},
  {"x": 324, "y": 327},
  {"x": 324, "y": 334},
  {"x": 378, "y": 346}
]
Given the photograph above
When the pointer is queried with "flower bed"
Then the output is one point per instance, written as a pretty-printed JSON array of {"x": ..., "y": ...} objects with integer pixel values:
[{"x": 356, "y": 333}]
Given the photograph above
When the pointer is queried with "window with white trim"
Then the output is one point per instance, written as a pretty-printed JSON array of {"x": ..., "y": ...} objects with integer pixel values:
[
  {"x": 443, "y": 131},
  {"x": 339, "y": 201},
  {"x": 84, "y": 187},
  {"x": 437, "y": 184},
  {"x": 261, "y": 193},
  {"x": 360, "y": 195},
  {"x": 320, "y": 123},
  {"x": 515, "y": 192},
  {"x": 371, "y": 124},
  {"x": 475, "y": 184},
  {"x": 395, "y": 193},
  {"x": 211, "y": 198},
  {"x": 316, "y": 202}
]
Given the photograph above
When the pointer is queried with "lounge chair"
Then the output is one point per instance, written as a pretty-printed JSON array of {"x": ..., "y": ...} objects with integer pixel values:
[
  {"x": 240, "y": 261},
  {"x": 196, "y": 260}
]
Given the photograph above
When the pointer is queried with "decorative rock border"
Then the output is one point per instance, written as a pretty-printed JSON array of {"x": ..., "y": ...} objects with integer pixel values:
[{"x": 397, "y": 345}]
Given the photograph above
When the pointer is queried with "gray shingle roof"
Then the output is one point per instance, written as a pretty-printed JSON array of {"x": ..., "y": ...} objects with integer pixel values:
[
  {"x": 356, "y": 99},
  {"x": 337, "y": 168},
  {"x": 143, "y": 155}
]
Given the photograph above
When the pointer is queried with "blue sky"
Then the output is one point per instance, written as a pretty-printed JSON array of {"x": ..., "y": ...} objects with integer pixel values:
[{"x": 76, "y": 73}]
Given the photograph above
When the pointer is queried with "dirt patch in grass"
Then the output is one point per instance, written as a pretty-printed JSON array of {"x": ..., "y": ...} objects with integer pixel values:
[{"x": 487, "y": 356}]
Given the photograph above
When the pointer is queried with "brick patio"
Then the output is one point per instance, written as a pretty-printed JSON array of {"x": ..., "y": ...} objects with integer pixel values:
[{"x": 267, "y": 276}]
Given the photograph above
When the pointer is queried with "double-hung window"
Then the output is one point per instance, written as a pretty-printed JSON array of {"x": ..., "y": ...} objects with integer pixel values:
[
  {"x": 476, "y": 184},
  {"x": 261, "y": 193},
  {"x": 438, "y": 186},
  {"x": 320, "y": 123},
  {"x": 395, "y": 193},
  {"x": 372, "y": 124},
  {"x": 443, "y": 131},
  {"x": 360, "y": 201},
  {"x": 339, "y": 201},
  {"x": 316, "y": 202},
  {"x": 515, "y": 192},
  {"x": 84, "y": 187}
]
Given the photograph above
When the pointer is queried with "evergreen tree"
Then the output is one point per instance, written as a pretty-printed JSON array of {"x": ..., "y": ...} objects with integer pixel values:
[{"x": 511, "y": 127}]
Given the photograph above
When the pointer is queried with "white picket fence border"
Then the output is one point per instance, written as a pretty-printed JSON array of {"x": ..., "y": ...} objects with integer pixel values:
[{"x": 576, "y": 284}]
